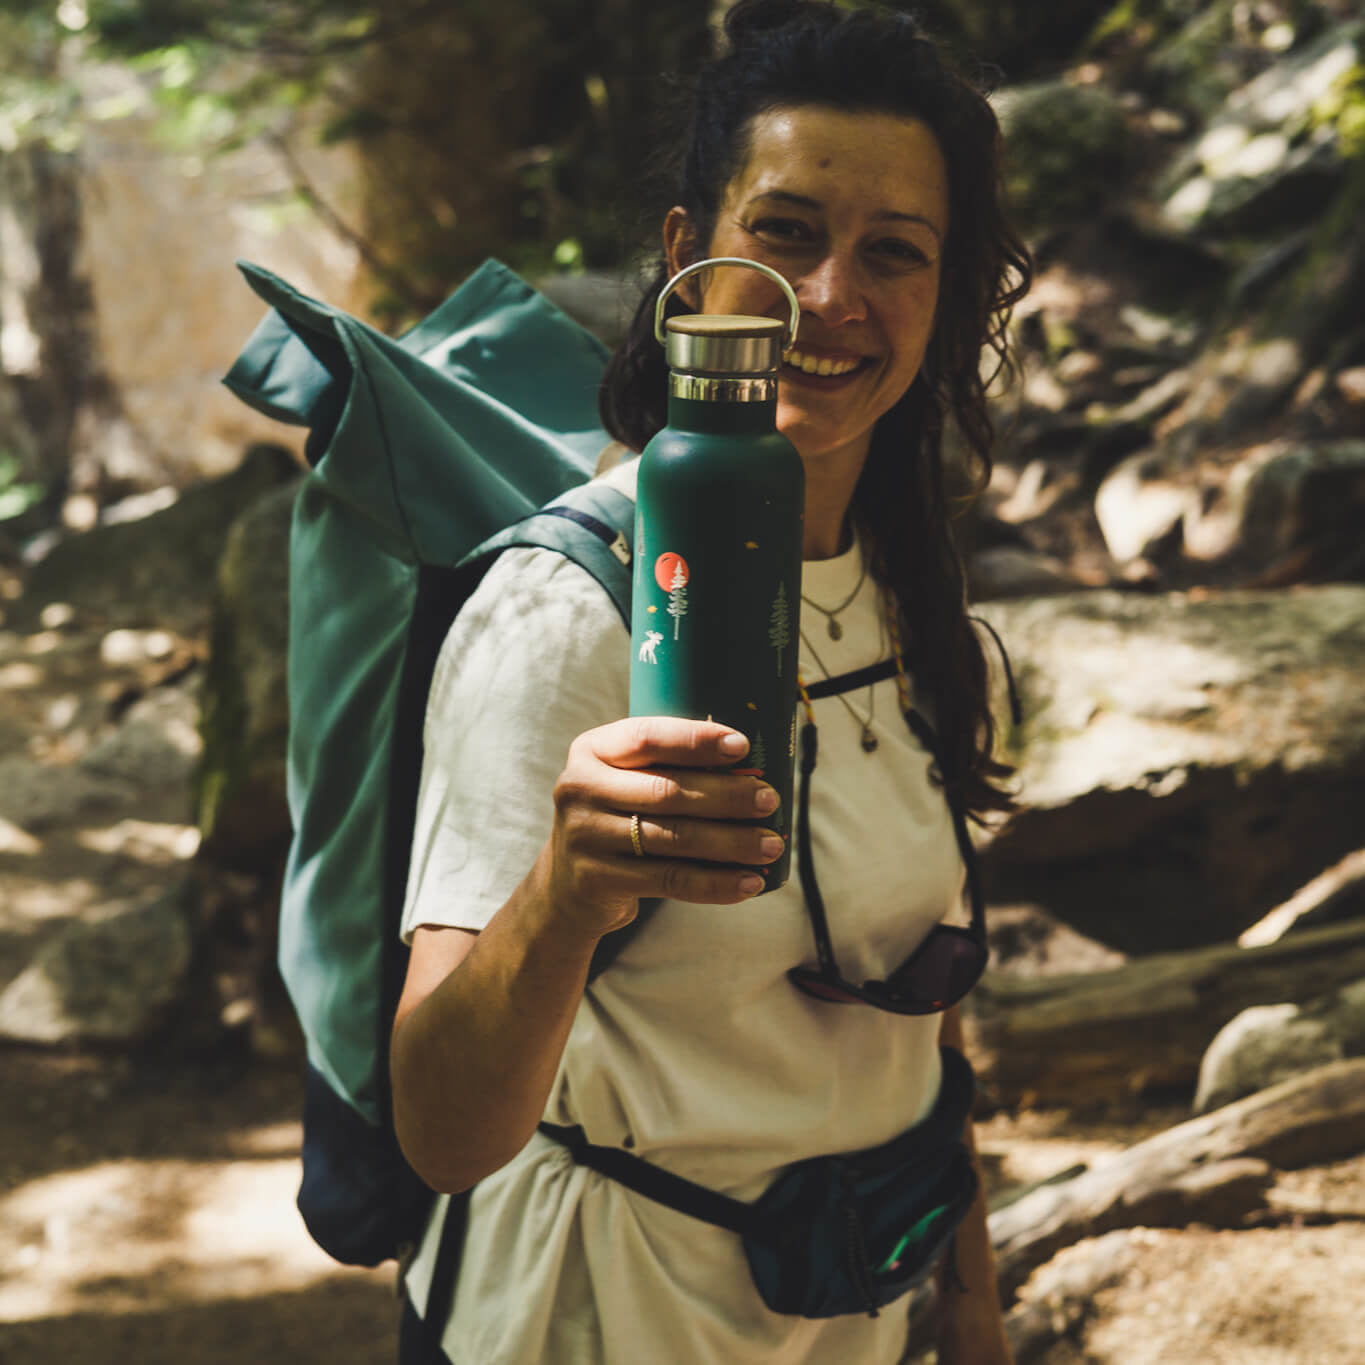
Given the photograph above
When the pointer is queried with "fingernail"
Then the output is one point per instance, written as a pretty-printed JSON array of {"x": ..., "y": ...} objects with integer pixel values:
[
  {"x": 765, "y": 799},
  {"x": 771, "y": 846},
  {"x": 750, "y": 886},
  {"x": 734, "y": 744}
]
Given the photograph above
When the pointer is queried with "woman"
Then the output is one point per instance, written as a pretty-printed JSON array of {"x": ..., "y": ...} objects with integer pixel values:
[{"x": 835, "y": 147}]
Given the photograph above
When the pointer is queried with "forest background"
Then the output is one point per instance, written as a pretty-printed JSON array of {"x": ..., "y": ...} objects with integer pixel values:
[{"x": 1170, "y": 548}]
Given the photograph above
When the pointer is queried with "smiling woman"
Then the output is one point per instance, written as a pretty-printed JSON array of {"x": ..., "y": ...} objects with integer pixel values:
[
  {"x": 852, "y": 208},
  {"x": 638, "y": 1143}
]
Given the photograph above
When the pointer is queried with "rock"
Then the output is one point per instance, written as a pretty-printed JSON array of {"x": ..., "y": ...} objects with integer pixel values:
[
  {"x": 1139, "y": 503},
  {"x": 1270, "y": 1043},
  {"x": 36, "y": 796},
  {"x": 1186, "y": 763},
  {"x": 1026, "y": 941},
  {"x": 157, "y": 742},
  {"x": 1302, "y": 499},
  {"x": 602, "y": 301},
  {"x": 114, "y": 980},
  {"x": 1271, "y": 157},
  {"x": 1196, "y": 67},
  {"x": 160, "y": 570},
  {"x": 1015, "y": 571},
  {"x": 239, "y": 788},
  {"x": 1064, "y": 145}
]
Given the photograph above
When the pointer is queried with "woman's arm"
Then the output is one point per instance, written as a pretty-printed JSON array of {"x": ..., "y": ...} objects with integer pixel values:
[
  {"x": 971, "y": 1326},
  {"x": 483, "y": 1018}
]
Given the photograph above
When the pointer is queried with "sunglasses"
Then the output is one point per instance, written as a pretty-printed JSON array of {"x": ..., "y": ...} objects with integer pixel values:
[{"x": 940, "y": 971}]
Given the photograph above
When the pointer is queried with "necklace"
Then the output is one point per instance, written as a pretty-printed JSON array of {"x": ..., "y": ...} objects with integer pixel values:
[
  {"x": 868, "y": 740},
  {"x": 836, "y": 631}
]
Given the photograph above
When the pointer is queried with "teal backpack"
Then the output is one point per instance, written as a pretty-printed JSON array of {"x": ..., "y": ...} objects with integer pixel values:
[{"x": 428, "y": 455}]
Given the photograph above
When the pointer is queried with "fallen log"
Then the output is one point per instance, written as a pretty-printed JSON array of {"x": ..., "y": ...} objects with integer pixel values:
[
  {"x": 1061, "y": 1296},
  {"x": 1214, "y": 1169},
  {"x": 1096, "y": 1037}
]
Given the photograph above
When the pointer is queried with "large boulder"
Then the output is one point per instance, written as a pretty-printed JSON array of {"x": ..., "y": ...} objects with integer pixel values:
[
  {"x": 1272, "y": 156},
  {"x": 240, "y": 783},
  {"x": 1186, "y": 762},
  {"x": 118, "y": 979},
  {"x": 1064, "y": 144},
  {"x": 159, "y": 570},
  {"x": 1268, "y": 1044},
  {"x": 1283, "y": 512}
]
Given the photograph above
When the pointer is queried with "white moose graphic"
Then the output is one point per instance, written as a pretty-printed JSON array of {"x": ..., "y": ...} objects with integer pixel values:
[{"x": 647, "y": 655}]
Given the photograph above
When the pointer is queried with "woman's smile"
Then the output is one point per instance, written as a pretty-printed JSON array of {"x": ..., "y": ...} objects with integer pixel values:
[
  {"x": 852, "y": 208},
  {"x": 812, "y": 364}
]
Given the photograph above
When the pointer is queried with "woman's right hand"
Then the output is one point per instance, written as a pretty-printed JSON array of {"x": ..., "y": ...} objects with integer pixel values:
[{"x": 674, "y": 774}]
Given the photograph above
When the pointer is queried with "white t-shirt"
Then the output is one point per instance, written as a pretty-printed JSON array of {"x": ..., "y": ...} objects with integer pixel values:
[{"x": 693, "y": 1049}]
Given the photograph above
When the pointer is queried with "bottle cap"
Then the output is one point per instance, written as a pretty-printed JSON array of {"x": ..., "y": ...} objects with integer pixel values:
[{"x": 724, "y": 345}]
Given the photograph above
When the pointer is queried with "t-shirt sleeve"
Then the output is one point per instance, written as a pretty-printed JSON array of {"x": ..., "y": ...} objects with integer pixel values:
[{"x": 536, "y": 656}]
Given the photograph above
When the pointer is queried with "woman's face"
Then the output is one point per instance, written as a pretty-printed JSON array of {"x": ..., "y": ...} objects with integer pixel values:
[{"x": 852, "y": 208}]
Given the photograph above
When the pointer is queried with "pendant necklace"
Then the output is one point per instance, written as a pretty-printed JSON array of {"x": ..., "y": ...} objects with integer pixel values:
[
  {"x": 867, "y": 739},
  {"x": 831, "y": 615}
]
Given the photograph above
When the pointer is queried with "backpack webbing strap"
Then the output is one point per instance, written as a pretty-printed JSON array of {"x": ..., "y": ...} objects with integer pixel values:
[
  {"x": 653, "y": 1181},
  {"x": 441, "y": 1292}
]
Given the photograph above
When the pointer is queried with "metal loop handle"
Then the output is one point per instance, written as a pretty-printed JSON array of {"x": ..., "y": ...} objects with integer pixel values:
[{"x": 767, "y": 270}]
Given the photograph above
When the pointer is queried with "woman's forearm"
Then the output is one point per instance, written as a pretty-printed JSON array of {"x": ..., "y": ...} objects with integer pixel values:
[
  {"x": 479, "y": 1034},
  {"x": 483, "y": 1019}
]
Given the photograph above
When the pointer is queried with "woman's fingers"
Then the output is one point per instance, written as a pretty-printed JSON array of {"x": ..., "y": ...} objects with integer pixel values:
[
  {"x": 667, "y": 742},
  {"x": 710, "y": 841},
  {"x": 653, "y": 806},
  {"x": 658, "y": 766}
]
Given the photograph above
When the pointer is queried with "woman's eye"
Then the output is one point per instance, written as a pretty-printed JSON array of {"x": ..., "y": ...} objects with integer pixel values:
[
  {"x": 782, "y": 229},
  {"x": 900, "y": 252}
]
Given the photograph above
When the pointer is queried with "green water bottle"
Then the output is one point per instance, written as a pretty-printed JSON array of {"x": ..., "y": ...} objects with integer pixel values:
[{"x": 718, "y": 530}]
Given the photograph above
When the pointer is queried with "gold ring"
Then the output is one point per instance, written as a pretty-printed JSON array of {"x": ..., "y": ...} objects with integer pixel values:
[{"x": 635, "y": 836}]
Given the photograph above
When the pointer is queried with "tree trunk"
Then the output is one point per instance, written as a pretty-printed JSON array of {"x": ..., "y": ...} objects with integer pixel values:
[
  {"x": 1077, "y": 1040},
  {"x": 64, "y": 398}
]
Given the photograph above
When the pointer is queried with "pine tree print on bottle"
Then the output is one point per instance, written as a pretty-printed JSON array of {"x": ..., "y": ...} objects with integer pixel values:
[
  {"x": 677, "y": 596},
  {"x": 779, "y": 625}
]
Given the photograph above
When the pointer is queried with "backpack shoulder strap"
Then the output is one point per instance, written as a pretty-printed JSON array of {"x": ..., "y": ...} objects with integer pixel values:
[
  {"x": 591, "y": 524},
  {"x": 594, "y": 526}
]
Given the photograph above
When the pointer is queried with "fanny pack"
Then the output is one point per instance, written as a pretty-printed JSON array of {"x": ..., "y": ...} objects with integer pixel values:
[{"x": 846, "y": 1233}]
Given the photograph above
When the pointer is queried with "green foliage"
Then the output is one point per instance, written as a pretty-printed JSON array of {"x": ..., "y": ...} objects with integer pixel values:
[
  {"x": 1343, "y": 109},
  {"x": 16, "y": 496},
  {"x": 36, "y": 105}
]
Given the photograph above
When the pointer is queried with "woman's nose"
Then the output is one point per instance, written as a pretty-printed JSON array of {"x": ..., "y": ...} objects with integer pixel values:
[{"x": 830, "y": 291}]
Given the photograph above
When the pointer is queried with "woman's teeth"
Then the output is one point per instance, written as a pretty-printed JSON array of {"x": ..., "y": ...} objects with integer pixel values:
[{"x": 822, "y": 365}]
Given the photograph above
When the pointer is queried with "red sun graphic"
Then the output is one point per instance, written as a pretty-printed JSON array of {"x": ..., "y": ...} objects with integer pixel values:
[{"x": 667, "y": 568}]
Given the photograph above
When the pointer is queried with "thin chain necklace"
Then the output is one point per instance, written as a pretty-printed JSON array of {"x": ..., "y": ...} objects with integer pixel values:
[
  {"x": 869, "y": 741},
  {"x": 836, "y": 631}
]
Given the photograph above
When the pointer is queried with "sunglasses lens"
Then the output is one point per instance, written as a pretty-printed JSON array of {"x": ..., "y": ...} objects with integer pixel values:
[
  {"x": 942, "y": 970},
  {"x": 938, "y": 974},
  {"x": 821, "y": 987}
]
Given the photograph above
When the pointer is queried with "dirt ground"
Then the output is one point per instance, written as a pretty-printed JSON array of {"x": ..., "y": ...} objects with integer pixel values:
[
  {"x": 146, "y": 1206},
  {"x": 147, "y": 1216}
]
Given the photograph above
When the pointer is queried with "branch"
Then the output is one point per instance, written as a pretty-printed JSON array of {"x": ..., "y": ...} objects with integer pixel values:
[{"x": 369, "y": 253}]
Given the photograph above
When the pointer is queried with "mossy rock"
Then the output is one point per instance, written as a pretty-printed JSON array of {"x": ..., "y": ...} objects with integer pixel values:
[
  {"x": 1064, "y": 147},
  {"x": 239, "y": 788},
  {"x": 160, "y": 570}
]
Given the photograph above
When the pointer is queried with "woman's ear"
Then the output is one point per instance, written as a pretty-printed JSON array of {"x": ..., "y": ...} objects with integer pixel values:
[{"x": 680, "y": 251}]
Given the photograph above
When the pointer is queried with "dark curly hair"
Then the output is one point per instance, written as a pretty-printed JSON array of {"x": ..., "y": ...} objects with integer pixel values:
[{"x": 786, "y": 53}]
